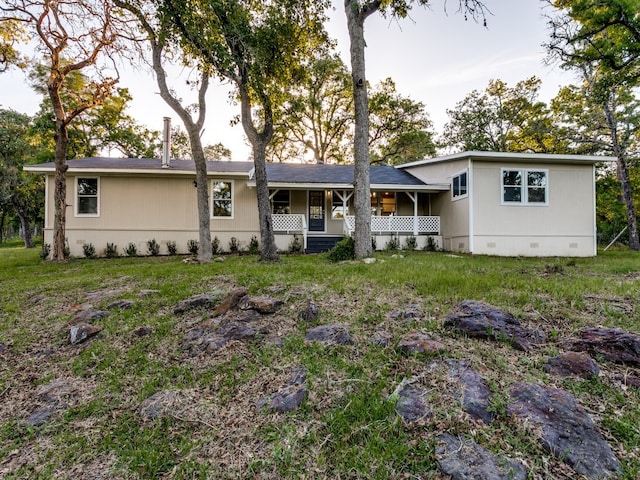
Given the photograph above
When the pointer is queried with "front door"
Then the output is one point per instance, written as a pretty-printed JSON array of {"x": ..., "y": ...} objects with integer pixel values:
[{"x": 316, "y": 211}]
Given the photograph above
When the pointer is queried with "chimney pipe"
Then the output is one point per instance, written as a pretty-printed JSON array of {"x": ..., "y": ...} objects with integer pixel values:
[{"x": 166, "y": 143}]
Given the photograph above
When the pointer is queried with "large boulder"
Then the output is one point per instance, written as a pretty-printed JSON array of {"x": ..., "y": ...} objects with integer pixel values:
[
  {"x": 480, "y": 320},
  {"x": 565, "y": 429},
  {"x": 612, "y": 344},
  {"x": 472, "y": 390},
  {"x": 412, "y": 404}
]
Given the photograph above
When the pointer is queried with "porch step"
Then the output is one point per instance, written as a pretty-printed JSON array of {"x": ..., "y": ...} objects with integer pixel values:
[{"x": 321, "y": 244}]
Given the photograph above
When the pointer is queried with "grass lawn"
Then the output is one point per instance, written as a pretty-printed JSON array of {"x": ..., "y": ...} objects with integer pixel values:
[{"x": 346, "y": 427}]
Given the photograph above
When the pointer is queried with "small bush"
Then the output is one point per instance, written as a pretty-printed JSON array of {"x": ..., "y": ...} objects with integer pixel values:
[
  {"x": 66, "y": 250},
  {"x": 111, "y": 251},
  {"x": 193, "y": 247},
  {"x": 254, "y": 246},
  {"x": 153, "y": 247},
  {"x": 215, "y": 246},
  {"x": 234, "y": 247},
  {"x": 411, "y": 243},
  {"x": 345, "y": 249},
  {"x": 89, "y": 250},
  {"x": 46, "y": 251},
  {"x": 131, "y": 250},
  {"x": 295, "y": 246},
  {"x": 431, "y": 245},
  {"x": 374, "y": 244},
  {"x": 393, "y": 243},
  {"x": 172, "y": 248}
]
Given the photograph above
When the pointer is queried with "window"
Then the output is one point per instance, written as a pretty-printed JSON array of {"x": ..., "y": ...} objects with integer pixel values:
[
  {"x": 527, "y": 187},
  {"x": 280, "y": 202},
  {"x": 383, "y": 204},
  {"x": 222, "y": 195},
  {"x": 459, "y": 185},
  {"x": 87, "y": 197}
]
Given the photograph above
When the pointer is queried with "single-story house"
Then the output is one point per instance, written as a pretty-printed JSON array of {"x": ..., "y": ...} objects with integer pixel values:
[{"x": 476, "y": 202}]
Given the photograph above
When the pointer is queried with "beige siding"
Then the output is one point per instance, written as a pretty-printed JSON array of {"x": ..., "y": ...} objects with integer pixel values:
[{"x": 564, "y": 227}]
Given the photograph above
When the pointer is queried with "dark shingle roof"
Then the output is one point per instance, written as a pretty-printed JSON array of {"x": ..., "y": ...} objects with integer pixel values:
[
  {"x": 336, "y": 174},
  {"x": 108, "y": 163}
]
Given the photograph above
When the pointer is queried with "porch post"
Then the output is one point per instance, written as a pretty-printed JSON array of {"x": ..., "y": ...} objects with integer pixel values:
[{"x": 414, "y": 197}]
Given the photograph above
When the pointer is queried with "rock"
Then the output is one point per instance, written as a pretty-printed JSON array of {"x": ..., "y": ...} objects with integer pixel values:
[
  {"x": 148, "y": 293},
  {"x": 121, "y": 304},
  {"x": 160, "y": 404},
  {"x": 411, "y": 404},
  {"x": 82, "y": 332},
  {"x": 143, "y": 331},
  {"x": 290, "y": 396},
  {"x": 229, "y": 302},
  {"x": 41, "y": 415},
  {"x": 310, "y": 313},
  {"x": 3, "y": 348},
  {"x": 196, "y": 301},
  {"x": 88, "y": 316},
  {"x": 397, "y": 255},
  {"x": 263, "y": 305},
  {"x": 37, "y": 298},
  {"x": 381, "y": 339},
  {"x": 466, "y": 460},
  {"x": 565, "y": 429},
  {"x": 474, "y": 392},
  {"x": 419, "y": 343},
  {"x": 368, "y": 260},
  {"x": 411, "y": 312},
  {"x": 479, "y": 320},
  {"x": 333, "y": 334},
  {"x": 612, "y": 344},
  {"x": 55, "y": 395},
  {"x": 631, "y": 381},
  {"x": 191, "y": 261},
  {"x": 236, "y": 331},
  {"x": 218, "y": 259},
  {"x": 572, "y": 363}
]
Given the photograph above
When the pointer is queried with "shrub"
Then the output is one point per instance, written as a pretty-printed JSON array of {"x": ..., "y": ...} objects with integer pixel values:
[
  {"x": 172, "y": 247},
  {"x": 234, "y": 247},
  {"x": 374, "y": 244},
  {"x": 193, "y": 247},
  {"x": 215, "y": 246},
  {"x": 431, "y": 245},
  {"x": 153, "y": 247},
  {"x": 345, "y": 249},
  {"x": 254, "y": 246},
  {"x": 46, "y": 251},
  {"x": 295, "y": 246},
  {"x": 111, "y": 251},
  {"x": 89, "y": 250},
  {"x": 411, "y": 243},
  {"x": 66, "y": 250},
  {"x": 393, "y": 243},
  {"x": 131, "y": 250}
]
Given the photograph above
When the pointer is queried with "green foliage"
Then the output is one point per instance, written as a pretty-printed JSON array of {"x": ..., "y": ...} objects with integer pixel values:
[
  {"x": 295, "y": 246},
  {"x": 215, "y": 246},
  {"x": 45, "y": 251},
  {"x": 89, "y": 250},
  {"x": 411, "y": 243},
  {"x": 111, "y": 251},
  {"x": 131, "y": 250},
  {"x": 172, "y": 248},
  {"x": 431, "y": 245},
  {"x": 345, "y": 249},
  {"x": 153, "y": 247},
  {"x": 254, "y": 245},
  {"x": 374, "y": 244},
  {"x": 193, "y": 247},
  {"x": 393, "y": 244},
  {"x": 234, "y": 246}
]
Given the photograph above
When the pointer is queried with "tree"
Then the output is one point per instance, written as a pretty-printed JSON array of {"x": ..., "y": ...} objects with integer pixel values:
[
  {"x": 503, "y": 119},
  {"x": 20, "y": 193},
  {"x": 317, "y": 114},
  {"x": 11, "y": 32},
  {"x": 259, "y": 47},
  {"x": 357, "y": 12},
  {"x": 399, "y": 128},
  {"x": 601, "y": 43},
  {"x": 71, "y": 36}
]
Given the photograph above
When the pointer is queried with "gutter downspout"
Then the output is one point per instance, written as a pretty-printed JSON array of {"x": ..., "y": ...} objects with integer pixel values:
[{"x": 166, "y": 143}]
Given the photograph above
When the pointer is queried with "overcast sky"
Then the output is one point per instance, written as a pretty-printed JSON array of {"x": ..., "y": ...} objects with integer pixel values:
[{"x": 434, "y": 57}]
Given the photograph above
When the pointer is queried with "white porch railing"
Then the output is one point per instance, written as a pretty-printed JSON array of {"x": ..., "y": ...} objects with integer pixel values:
[
  {"x": 397, "y": 224},
  {"x": 290, "y": 223}
]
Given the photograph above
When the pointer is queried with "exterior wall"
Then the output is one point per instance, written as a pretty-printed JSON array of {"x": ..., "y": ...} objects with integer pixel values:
[
  {"x": 454, "y": 214},
  {"x": 137, "y": 209},
  {"x": 563, "y": 227}
]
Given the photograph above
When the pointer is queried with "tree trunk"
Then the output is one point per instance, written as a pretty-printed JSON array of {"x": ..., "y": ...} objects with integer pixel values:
[
  {"x": 259, "y": 142},
  {"x": 362, "y": 190},
  {"x": 204, "y": 212},
  {"x": 60, "y": 192},
  {"x": 24, "y": 223},
  {"x": 3, "y": 216},
  {"x": 625, "y": 181}
]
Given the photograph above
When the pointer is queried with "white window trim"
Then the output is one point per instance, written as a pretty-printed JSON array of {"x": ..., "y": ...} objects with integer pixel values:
[
  {"x": 233, "y": 200},
  {"x": 455, "y": 198},
  {"x": 77, "y": 203},
  {"x": 525, "y": 196}
]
